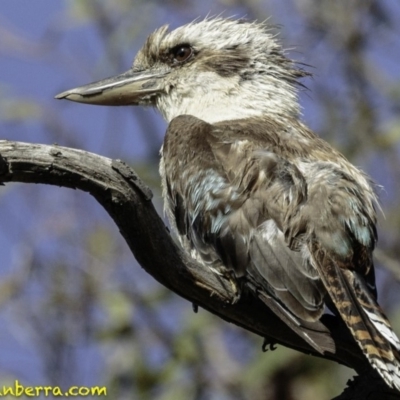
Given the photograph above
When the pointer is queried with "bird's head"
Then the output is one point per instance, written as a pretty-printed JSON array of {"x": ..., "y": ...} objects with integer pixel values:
[{"x": 215, "y": 69}]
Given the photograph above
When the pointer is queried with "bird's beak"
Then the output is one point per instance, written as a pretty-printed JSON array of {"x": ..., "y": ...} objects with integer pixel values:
[{"x": 130, "y": 87}]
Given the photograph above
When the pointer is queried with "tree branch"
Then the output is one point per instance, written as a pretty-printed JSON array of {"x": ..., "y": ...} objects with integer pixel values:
[{"x": 128, "y": 201}]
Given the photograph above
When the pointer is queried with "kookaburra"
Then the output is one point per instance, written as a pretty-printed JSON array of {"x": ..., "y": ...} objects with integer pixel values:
[{"x": 251, "y": 191}]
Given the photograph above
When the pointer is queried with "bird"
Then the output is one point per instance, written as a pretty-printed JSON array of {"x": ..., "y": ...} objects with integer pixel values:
[{"x": 252, "y": 193}]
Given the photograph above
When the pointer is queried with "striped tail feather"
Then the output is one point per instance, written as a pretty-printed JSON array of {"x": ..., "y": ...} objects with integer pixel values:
[{"x": 362, "y": 315}]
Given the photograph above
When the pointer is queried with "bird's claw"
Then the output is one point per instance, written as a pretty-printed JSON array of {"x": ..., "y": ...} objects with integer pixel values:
[{"x": 268, "y": 344}]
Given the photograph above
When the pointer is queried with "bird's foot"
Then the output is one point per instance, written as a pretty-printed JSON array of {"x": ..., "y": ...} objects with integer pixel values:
[{"x": 268, "y": 344}]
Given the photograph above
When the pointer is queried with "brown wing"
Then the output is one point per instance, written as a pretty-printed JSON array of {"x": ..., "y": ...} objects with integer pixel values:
[
  {"x": 219, "y": 200},
  {"x": 274, "y": 189}
]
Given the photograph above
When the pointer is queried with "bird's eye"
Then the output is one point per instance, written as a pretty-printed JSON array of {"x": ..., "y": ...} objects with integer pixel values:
[{"x": 181, "y": 53}]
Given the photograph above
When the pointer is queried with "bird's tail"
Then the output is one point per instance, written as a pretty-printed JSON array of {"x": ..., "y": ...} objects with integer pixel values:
[{"x": 362, "y": 315}]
